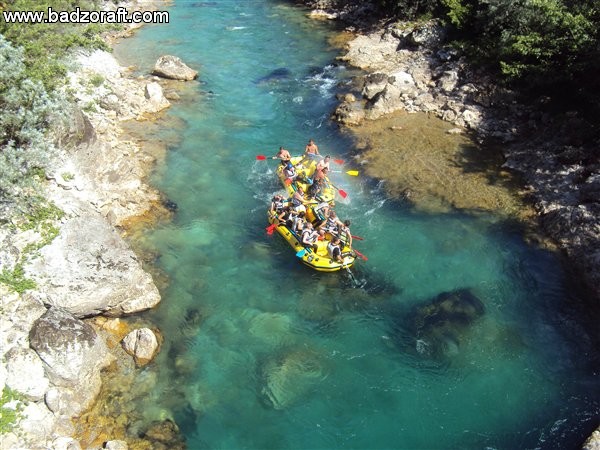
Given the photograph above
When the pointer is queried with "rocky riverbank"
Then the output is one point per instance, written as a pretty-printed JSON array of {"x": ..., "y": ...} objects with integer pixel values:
[
  {"x": 410, "y": 68},
  {"x": 69, "y": 275}
]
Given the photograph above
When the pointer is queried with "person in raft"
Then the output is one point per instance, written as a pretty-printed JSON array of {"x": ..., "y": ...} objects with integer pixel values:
[
  {"x": 283, "y": 155},
  {"x": 310, "y": 236},
  {"x": 344, "y": 233},
  {"x": 324, "y": 163},
  {"x": 311, "y": 151},
  {"x": 278, "y": 204},
  {"x": 298, "y": 200},
  {"x": 334, "y": 249},
  {"x": 289, "y": 172}
]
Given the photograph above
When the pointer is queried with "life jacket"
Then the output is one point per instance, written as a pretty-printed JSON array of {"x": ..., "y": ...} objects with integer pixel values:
[
  {"x": 343, "y": 233},
  {"x": 312, "y": 235},
  {"x": 331, "y": 250},
  {"x": 296, "y": 221},
  {"x": 295, "y": 201},
  {"x": 289, "y": 172},
  {"x": 279, "y": 204},
  {"x": 330, "y": 225}
]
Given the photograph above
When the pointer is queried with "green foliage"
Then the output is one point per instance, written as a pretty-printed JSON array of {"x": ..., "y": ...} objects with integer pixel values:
[
  {"x": 549, "y": 46},
  {"x": 46, "y": 45},
  {"x": 9, "y": 415},
  {"x": 67, "y": 176},
  {"x": 27, "y": 113},
  {"x": 39, "y": 215},
  {"x": 16, "y": 280},
  {"x": 96, "y": 80},
  {"x": 409, "y": 9},
  {"x": 457, "y": 11}
]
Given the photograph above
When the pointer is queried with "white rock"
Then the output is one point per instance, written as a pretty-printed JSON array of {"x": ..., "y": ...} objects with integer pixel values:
[
  {"x": 116, "y": 445},
  {"x": 26, "y": 373},
  {"x": 73, "y": 356},
  {"x": 65, "y": 443},
  {"x": 142, "y": 345},
  {"x": 154, "y": 94}
]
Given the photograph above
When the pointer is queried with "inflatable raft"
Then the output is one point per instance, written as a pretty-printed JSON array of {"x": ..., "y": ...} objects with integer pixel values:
[
  {"x": 305, "y": 168},
  {"x": 315, "y": 259}
]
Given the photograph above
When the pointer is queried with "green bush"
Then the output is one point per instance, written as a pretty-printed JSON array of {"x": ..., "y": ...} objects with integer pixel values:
[{"x": 27, "y": 113}]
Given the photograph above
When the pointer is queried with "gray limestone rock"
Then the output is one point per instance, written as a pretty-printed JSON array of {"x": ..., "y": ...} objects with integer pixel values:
[
  {"x": 72, "y": 352},
  {"x": 172, "y": 67},
  {"x": 89, "y": 270},
  {"x": 116, "y": 445}
]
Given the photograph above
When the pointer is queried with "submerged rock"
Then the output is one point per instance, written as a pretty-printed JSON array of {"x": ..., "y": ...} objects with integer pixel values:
[
  {"x": 439, "y": 326},
  {"x": 165, "y": 434},
  {"x": 279, "y": 74},
  {"x": 289, "y": 379}
]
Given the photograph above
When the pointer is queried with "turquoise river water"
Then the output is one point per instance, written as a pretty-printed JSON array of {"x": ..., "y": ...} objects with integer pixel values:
[{"x": 261, "y": 352}]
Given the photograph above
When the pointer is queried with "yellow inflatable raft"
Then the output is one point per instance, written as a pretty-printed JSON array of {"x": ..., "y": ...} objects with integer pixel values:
[
  {"x": 305, "y": 168},
  {"x": 319, "y": 259}
]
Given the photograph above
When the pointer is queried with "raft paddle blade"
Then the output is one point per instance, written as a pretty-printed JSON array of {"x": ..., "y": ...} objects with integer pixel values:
[
  {"x": 261, "y": 157},
  {"x": 288, "y": 181},
  {"x": 354, "y": 173},
  {"x": 339, "y": 161},
  {"x": 358, "y": 238},
  {"x": 271, "y": 228},
  {"x": 300, "y": 253},
  {"x": 343, "y": 193},
  {"x": 360, "y": 255}
]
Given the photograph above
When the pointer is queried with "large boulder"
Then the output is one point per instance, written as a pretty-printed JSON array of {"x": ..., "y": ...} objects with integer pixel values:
[
  {"x": 142, "y": 345},
  {"x": 73, "y": 355},
  {"x": 172, "y": 67},
  {"x": 89, "y": 270}
]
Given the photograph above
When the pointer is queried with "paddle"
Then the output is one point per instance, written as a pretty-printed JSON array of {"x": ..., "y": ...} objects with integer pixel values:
[
  {"x": 271, "y": 228},
  {"x": 358, "y": 238},
  {"x": 300, "y": 253},
  {"x": 338, "y": 161},
  {"x": 263, "y": 157},
  {"x": 343, "y": 193},
  {"x": 360, "y": 255},
  {"x": 354, "y": 173}
]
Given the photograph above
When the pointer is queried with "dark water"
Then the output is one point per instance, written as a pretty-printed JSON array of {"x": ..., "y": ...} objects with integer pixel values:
[{"x": 261, "y": 352}]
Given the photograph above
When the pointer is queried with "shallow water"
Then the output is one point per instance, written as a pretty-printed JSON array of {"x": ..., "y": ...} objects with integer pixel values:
[{"x": 261, "y": 352}]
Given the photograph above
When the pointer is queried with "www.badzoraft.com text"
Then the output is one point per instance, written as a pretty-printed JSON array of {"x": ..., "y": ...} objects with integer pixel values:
[{"x": 120, "y": 15}]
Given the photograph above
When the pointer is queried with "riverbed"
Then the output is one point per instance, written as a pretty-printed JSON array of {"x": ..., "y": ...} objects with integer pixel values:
[{"x": 260, "y": 352}]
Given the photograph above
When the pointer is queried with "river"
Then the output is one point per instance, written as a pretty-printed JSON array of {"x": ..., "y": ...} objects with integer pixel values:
[{"x": 260, "y": 351}]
